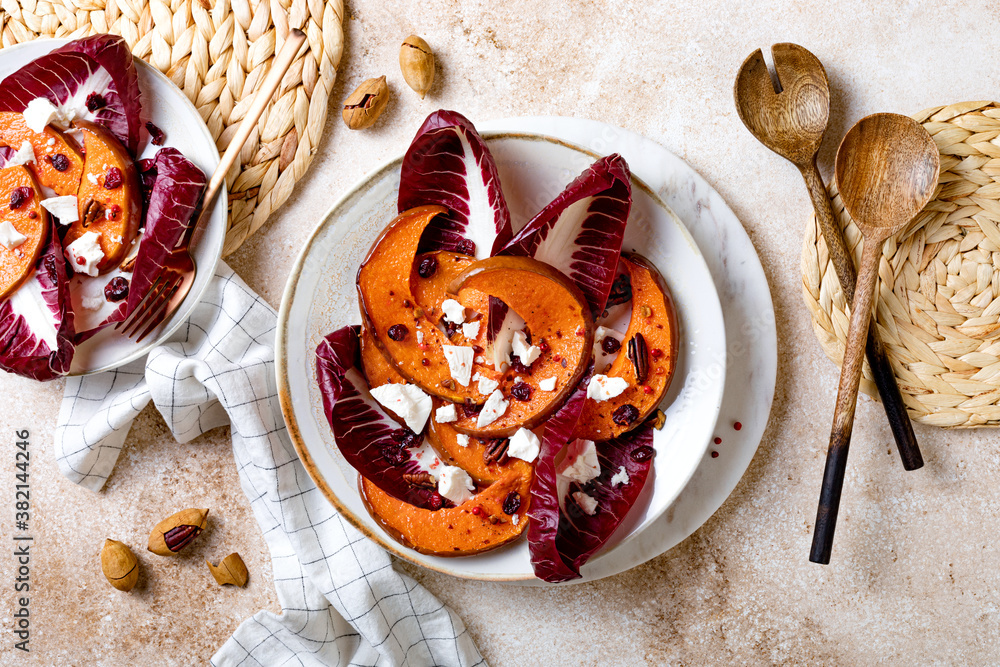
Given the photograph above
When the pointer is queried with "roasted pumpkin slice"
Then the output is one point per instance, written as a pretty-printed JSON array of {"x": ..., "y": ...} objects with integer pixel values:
[
  {"x": 109, "y": 199},
  {"x": 432, "y": 274},
  {"x": 463, "y": 530},
  {"x": 559, "y": 322},
  {"x": 58, "y": 164},
  {"x": 28, "y": 227},
  {"x": 652, "y": 339},
  {"x": 468, "y": 453},
  {"x": 378, "y": 370}
]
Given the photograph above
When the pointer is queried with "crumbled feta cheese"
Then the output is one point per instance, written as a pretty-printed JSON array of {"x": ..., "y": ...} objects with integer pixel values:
[
  {"x": 39, "y": 113},
  {"x": 454, "y": 312},
  {"x": 10, "y": 238},
  {"x": 515, "y": 519},
  {"x": 620, "y": 477},
  {"x": 492, "y": 410},
  {"x": 586, "y": 503},
  {"x": 462, "y": 440},
  {"x": 420, "y": 336},
  {"x": 446, "y": 414},
  {"x": 459, "y": 360},
  {"x": 407, "y": 401},
  {"x": 92, "y": 303},
  {"x": 24, "y": 155},
  {"x": 455, "y": 484},
  {"x": 85, "y": 253},
  {"x": 548, "y": 384},
  {"x": 480, "y": 359},
  {"x": 51, "y": 141},
  {"x": 602, "y": 387},
  {"x": 526, "y": 353},
  {"x": 524, "y": 445},
  {"x": 65, "y": 208},
  {"x": 470, "y": 329},
  {"x": 93, "y": 179},
  {"x": 486, "y": 385},
  {"x": 581, "y": 464}
]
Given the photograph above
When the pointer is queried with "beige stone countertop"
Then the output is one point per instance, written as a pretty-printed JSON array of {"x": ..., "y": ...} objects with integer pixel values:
[{"x": 915, "y": 574}]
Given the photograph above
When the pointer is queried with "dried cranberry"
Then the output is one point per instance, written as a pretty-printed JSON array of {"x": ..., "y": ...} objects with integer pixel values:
[
  {"x": 59, "y": 162},
  {"x": 398, "y": 332},
  {"x": 451, "y": 328},
  {"x": 113, "y": 179},
  {"x": 95, "y": 101},
  {"x": 522, "y": 392},
  {"x": 642, "y": 453},
  {"x": 18, "y": 196},
  {"x": 435, "y": 502},
  {"x": 116, "y": 290},
  {"x": 50, "y": 268},
  {"x": 610, "y": 344},
  {"x": 625, "y": 415},
  {"x": 156, "y": 136},
  {"x": 512, "y": 502},
  {"x": 404, "y": 436},
  {"x": 516, "y": 365},
  {"x": 621, "y": 290},
  {"x": 395, "y": 455},
  {"x": 428, "y": 266},
  {"x": 466, "y": 247}
]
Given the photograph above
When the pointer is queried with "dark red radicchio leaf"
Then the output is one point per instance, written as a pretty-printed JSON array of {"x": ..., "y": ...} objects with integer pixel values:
[
  {"x": 581, "y": 231},
  {"x": 5, "y": 154},
  {"x": 449, "y": 164},
  {"x": 582, "y": 535},
  {"x": 36, "y": 323},
  {"x": 371, "y": 442},
  {"x": 176, "y": 191},
  {"x": 71, "y": 74}
]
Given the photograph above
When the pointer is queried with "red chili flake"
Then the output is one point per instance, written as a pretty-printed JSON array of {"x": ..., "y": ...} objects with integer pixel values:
[
  {"x": 95, "y": 101},
  {"x": 543, "y": 346},
  {"x": 579, "y": 332},
  {"x": 398, "y": 332},
  {"x": 156, "y": 136},
  {"x": 656, "y": 353},
  {"x": 428, "y": 266},
  {"x": 32, "y": 215},
  {"x": 81, "y": 261},
  {"x": 423, "y": 347},
  {"x": 610, "y": 344},
  {"x": 737, "y": 426},
  {"x": 113, "y": 179},
  {"x": 556, "y": 357},
  {"x": 717, "y": 441},
  {"x": 115, "y": 210},
  {"x": 58, "y": 161},
  {"x": 424, "y": 361},
  {"x": 646, "y": 389},
  {"x": 715, "y": 455},
  {"x": 18, "y": 196},
  {"x": 477, "y": 510},
  {"x": 116, "y": 290}
]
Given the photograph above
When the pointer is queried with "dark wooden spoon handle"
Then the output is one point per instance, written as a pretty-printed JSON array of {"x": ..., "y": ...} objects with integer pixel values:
[
  {"x": 885, "y": 379},
  {"x": 847, "y": 398}
]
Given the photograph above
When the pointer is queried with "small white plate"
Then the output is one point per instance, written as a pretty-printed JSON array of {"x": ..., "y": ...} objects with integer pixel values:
[
  {"x": 321, "y": 297},
  {"x": 168, "y": 108}
]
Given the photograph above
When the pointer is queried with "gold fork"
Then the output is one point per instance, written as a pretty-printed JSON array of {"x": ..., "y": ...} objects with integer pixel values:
[{"x": 176, "y": 277}]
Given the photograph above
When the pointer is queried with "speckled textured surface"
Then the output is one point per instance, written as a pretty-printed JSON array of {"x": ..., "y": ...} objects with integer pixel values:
[{"x": 914, "y": 577}]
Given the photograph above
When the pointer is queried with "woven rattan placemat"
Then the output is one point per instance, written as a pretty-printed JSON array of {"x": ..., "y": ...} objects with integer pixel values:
[
  {"x": 938, "y": 299},
  {"x": 217, "y": 52}
]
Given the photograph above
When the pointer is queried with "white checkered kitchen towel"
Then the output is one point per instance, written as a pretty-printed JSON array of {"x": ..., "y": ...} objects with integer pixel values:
[{"x": 342, "y": 601}]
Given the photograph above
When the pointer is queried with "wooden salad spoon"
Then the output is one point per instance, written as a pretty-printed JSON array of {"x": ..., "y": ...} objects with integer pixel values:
[
  {"x": 887, "y": 171},
  {"x": 792, "y": 122}
]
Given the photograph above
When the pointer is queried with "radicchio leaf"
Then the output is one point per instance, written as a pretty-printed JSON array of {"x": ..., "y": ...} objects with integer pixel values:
[
  {"x": 369, "y": 439},
  {"x": 502, "y": 323},
  {"x": 176, "y": 191},
  {"x": 449, "y": 164},
  {"x": 36, "y": 326},
  {"x": 580, "y": 232},
  {"x": 5, "y": 154},
  {"x": 582, "y": 535},
  {"x": 100, "y": 65}
]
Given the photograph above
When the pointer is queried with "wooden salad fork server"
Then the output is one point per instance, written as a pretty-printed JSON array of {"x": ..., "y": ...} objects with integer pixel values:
[
  {"x": 176, "y": 277},
  {"x": 792, "y": 122},
  {"x": 887, "y": 171}
]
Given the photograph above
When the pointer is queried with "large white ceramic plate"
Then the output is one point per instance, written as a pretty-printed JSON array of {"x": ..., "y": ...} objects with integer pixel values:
[
  {"x": 169, "y": 109},
  {"x": 321, "y": 297}
]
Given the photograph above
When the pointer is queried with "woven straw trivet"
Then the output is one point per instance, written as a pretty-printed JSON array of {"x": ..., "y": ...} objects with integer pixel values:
[
  {"x": 938, "y": 300},
  {"x": 218, "y": 52}
]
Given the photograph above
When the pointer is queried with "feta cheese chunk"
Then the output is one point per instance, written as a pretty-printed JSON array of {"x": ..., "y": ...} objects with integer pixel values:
[
  {"x": 524, "y": 445},
  {"x": 462, "y": 440},
  {"x": 39, "y": 113},
  {"x": 602, "y": 387},
  {"x": 24, "y": 155},
  {"x": 620, "y": 477},
  {"x": 455, "y": 484},
  {"x": 10, "y": 238},
  {"x": 586, "y": 503},
  {"x": 420, "y": 336},
  {"x": 581, "y": 464},
  {"x": 548, "y": 384},
  {"x": 486, "y": 385},
  {"x": 459, "y": 360},
  {"x": 470, "y": 329},
  {"x": 515, "y": 519},
  {"x": 446, "y": 414},
  {"x": 454, "y": 312},
  {"x": 407, "y": 401},
  {"x": 526, "y": 353},
  {"x": 65, "y": 208},
  {"x": 492, "y": 410},
  {"x": 85, "y": 253}
]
